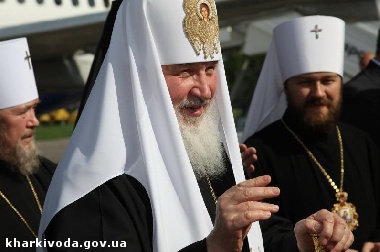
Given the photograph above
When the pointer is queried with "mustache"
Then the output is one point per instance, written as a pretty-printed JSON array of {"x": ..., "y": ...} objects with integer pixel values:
[
  {"x": 28, "y": 134},
  {"x": 193, "y": 102},
  {"x": 317, "y": 102}
]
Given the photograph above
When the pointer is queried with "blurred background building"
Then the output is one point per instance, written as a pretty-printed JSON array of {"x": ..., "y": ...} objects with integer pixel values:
[{"x": 63, "y": 36}]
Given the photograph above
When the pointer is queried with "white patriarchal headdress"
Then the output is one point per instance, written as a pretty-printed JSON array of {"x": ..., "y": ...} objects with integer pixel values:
[
  {"x": 128, "y": 124},
  {"x": 302, "y": 45},
  {"x": 17, "y": 82}
]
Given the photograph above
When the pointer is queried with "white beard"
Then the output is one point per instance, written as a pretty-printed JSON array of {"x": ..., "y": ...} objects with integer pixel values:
[{"x": 202, "y": 140}]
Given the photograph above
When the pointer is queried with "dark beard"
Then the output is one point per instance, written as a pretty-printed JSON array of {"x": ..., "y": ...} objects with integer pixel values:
[{"x": 313, "y": 124}]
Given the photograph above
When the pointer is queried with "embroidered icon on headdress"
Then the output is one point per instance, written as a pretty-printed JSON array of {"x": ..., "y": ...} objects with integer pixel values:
[{"x": 201, "y": 26}]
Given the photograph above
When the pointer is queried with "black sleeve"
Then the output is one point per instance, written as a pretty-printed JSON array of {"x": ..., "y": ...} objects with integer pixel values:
[
  {"x": 263, "y": 153},
  {"x": 117, "y": 212},
  {"x": 278, "y": 235},
  {"x": 44, "y": 175},
  {"x": 277, "y": 232},
  {"x": 48, "y": 165},
  {"x": 199, "y": 246},
  {"x": 362, "y": 109}
]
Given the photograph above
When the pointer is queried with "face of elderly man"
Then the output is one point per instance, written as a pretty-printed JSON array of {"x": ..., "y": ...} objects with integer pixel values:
[
  {"x": 17, "y": 127},
  {"x": 192, "y": 88}
]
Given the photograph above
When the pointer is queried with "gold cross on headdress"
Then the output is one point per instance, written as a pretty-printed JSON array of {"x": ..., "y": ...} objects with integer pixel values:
[
  {"x": 316, "y": 30},
  {"x": 27, "y": 57}
]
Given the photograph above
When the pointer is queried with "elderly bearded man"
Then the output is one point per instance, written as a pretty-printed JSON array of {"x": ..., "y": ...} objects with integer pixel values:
[
  {"x": 24, "y": 175},
  {"x": 157, "y": 169}
]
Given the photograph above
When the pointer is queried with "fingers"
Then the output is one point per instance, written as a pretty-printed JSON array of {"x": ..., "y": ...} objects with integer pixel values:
[
  {"x": 244, "y": 214},
  {"x": 249, "y": 169},
  {"x": 253, "y": 190},
  {"x": 336, "y": 234},
  {"x": 333, "y": 231},
  {"x": 247, "y": 151},
  {"x": 371, "y": 247},
  {"x": 242, "y": 147},
  {"x": 248, "y": 156},
  {"x": 238, "y": 208},
  {"x": 240, "y": 205},
  {"x": 259, "y": 181},
  {"x": 252, "y": 211}
]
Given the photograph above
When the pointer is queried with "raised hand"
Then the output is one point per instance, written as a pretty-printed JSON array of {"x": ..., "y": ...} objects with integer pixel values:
[
  {"x": 248, "y": 156},
  {"x": 237, "y": 209}
]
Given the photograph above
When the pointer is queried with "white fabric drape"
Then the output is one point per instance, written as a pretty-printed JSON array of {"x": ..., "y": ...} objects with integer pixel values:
[{"x": 128, "y": 125}]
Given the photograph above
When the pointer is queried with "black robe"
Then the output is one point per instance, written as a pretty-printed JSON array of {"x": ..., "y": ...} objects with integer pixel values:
[
  {"x": 126, "y": 198},
  {"x": 16, "y": 188},
  {"x": 361, "y": 101},
  {"x": 304, "y": 189},
  {"x": 120, "y": 210}
]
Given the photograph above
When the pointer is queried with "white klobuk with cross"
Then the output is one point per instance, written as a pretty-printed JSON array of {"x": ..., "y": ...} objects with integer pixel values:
[
  {"x": 308, "y": 47},
  {"x": 17, "y": 82}
]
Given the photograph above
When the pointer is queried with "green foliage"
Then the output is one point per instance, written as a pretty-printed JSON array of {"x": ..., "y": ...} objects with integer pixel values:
[
  {"x": 242, "y": 73},
  {"x": 54, "y": 131}
]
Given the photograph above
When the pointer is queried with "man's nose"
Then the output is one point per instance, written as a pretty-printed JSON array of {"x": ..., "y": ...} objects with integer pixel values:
[
  {"x": 32, "y": 119},
  {"x": 202, "y": 87},
  {"x": 318, "y": 90}
]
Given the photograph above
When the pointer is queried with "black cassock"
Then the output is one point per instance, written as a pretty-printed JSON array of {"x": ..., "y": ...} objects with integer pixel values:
[
  {"x": 120, "y": 210},
  {"x": 361, "y": 101},
  {"x": 16, "y": 189},
  {"x": 304, "y": 188}
]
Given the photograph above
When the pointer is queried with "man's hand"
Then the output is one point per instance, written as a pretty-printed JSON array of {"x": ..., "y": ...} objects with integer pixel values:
[
  {"x": 371, "y": 247},
  {"x": 237, "y": 208},
  {"x": 248, "y": 156},
  {"x": 333, "y": 232}
]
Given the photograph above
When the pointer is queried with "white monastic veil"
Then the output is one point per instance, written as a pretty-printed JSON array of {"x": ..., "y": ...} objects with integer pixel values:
[
  {"x": 269, "y": 101},
  {"x": 128, "y": 125},
  {"x": 301, "y": 45}
]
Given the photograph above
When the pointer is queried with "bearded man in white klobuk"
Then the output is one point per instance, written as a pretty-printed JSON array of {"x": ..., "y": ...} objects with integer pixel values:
[{"x": 139, "y": 171}]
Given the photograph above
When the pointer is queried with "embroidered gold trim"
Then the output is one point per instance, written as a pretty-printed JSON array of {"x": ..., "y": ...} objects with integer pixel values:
[{"x": 201, "y": 26}]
